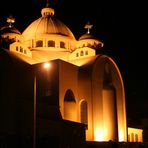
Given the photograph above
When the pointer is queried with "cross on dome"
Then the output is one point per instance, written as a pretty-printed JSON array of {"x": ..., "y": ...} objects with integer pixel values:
[
  {"x": 88, "y": 26},
  {"x": 10, "y": 20},
  {"x": 47, "y": 3}
]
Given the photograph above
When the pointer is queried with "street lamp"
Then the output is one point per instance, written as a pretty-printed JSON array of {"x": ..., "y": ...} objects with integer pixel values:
[
  {"x": 34, "y": 115},
  {"x": 46, "y": 66}
]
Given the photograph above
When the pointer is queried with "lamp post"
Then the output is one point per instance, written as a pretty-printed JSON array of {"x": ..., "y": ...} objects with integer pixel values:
[
  {"x": 45, "y": 66},
  {"x": 34, "y": 115}
]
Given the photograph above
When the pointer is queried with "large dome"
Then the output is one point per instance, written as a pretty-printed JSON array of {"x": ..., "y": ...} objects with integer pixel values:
[{"x": 47, "y": 24}]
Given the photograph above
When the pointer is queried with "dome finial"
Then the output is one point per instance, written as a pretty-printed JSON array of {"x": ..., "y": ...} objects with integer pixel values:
[
  {"x": 10, "y": 20},
  {"x": 47, "y": 11},
  {"x": 47, "y": 3},
  {"x": 88, "y": 26}
]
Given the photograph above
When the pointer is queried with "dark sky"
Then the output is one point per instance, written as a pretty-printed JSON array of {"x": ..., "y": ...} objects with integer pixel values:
[{"x": 121, "y": 25}]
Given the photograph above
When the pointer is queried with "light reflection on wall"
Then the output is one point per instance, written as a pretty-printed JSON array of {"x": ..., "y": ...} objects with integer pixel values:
[
  {"x": 99, "y": 136},
  {"x": 121, "y": 135}
]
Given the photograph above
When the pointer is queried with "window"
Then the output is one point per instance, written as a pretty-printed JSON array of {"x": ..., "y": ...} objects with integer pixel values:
[
  {"x": 77, "y": 54},
  {"x": 129, "y": 138},
  {"x": 39, "y": 43},
  {"x": 21, "y": 49},
  {"x": 132, "y": 137},
  {"x": 83, "y": 45},
  {"x": 136, "y": 137},
  {"x": 25, "y": 51},
  {"x": 86, "y": 52},
  {"x": 51, "y": 43},
  {"x": 69, "y": 96},
  {"x": 83, "y": 112},
  {"x": 16, "y": 48},
  {"x": 81, "y": 53},
  {"x": 62, "y": 45}
]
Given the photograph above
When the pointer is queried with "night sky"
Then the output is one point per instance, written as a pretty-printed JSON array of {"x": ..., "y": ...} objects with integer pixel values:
[{"x": 121, "y": 25}]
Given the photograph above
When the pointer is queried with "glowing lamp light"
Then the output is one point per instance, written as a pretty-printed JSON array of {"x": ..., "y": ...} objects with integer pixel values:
[{"x": 47, "y": 65}]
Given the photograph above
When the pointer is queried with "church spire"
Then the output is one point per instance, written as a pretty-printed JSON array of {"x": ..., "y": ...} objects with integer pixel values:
[{"x": 88, "y": 26}]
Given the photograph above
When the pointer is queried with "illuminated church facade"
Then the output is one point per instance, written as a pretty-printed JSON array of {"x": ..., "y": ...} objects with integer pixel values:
[{"x": 79, "y": 86}]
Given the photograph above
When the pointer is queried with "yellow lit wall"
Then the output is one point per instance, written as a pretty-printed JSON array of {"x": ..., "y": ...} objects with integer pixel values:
[
  {"x": 109, "y": 114},
  {"x": 68, "y": 81},
  {"x": 70, "y": 111},
  {"x": 135, "y": 135},
  {"x": 81, "y": 71}
]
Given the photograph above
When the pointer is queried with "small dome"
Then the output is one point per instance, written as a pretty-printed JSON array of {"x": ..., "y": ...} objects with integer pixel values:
[
  {"x": 10, "y": 34},
  {"x": 86, "y": 36},
  {"x": 7, "y": 30},
  {"x": 47, "y": 24},
  {"x": 88, "y": 40}
]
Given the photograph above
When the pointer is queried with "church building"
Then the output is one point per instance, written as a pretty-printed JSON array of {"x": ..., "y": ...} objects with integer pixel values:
[{"x": 54, "y": 86}]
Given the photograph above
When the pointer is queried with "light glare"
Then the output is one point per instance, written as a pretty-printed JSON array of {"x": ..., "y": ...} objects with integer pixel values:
[{"x": 47, "y": 65}]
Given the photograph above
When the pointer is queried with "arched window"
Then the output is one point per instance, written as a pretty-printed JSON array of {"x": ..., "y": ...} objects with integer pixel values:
[
  {"x": 16, "y": 48},
  {"x": 77, "y": 54},
  {"x": 69, "y": 96},
  {"x": 86, "y": 52},
  {"x": 136, "y": 137},
  {"x": 83, "y": 112},
  {"x": 21, "y": 49},
  {"x": 132, "y": 137},
  {"x": 81, "y": 53},
  {"x": 62, "y": 45},
  {"x": 51, "y": 43},
  {"x": 39, "y": 43},
  {"x": 129, "y": 138},
  {"x": 25, "y": 51}
]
